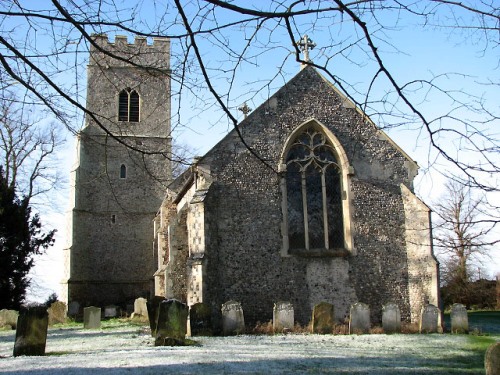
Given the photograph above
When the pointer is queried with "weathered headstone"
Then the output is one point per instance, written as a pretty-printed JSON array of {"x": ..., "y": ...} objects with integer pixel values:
[
  {"x": 73, "y": 309},
  {"x": 172, "y": 322},
  {"x": 323, "y": 318},
  {"x": 391, "y": 318},
  {"x": 153, "y": 306},
  {"x": 57, "y": 313},
  {"x": 140, "y": 308},
  {"x": 359, "y": 321},
  {"x": 92, "y": 317},
  {"x": 429, "y": 319},
  {"x": 459, "y": 319},
  {"x": 233, "y": 320},
  {"x": 492, "y": 359},
  {"x": 110, "y": 311},
  {"x": 31, "y": 332},
  {"x": 200, "y": 320},
  {"x": 8, "y": 318},
  {"x": 283, "y": 316}
]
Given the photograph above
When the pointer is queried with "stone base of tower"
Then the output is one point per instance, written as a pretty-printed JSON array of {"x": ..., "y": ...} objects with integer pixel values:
[{"x": 104, "y": 293}]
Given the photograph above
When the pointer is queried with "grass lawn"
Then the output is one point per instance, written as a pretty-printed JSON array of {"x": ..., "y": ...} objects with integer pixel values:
[{"x": 120, "y": 347}]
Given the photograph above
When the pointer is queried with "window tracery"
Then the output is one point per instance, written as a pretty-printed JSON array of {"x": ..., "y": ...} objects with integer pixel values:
[{"x": 313, "y": 193}]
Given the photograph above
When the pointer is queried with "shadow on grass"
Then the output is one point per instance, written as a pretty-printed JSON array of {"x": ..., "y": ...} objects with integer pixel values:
[{"x": 362, "y": 365}]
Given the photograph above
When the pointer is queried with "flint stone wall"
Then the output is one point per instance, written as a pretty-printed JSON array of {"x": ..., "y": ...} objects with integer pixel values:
[{"x": 244, "y": 201}]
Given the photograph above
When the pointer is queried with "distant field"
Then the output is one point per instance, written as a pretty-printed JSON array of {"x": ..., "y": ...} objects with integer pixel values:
[{"x": 480, "y": 321}]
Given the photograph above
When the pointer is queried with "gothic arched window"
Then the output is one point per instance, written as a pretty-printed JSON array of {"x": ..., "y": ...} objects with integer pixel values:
[
  {"x": 313, "y": 179},
  {"x": 128, "y": 106}
]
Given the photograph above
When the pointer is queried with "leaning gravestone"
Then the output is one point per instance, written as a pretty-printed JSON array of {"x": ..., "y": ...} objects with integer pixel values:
[
  {"x": 391, "y": 318},
  {"x": 359, "y": 321},
  {"x": 153, "y": 306},
  {"x": 57, "y": 313},
  {"x": 31, "y": 332},
  {"x": 492, "y": 359},
  {"x": 233, "y": 321},
  {"x": 172, "y": 323},
  {"x": 323, "y": 319},
  {"x": 200, "y": 320},
  {"x": 429, "y": 319},
  {"x": 92, "y": 317},
  {"x": 459, "y": 319},
  {"x": 8, "y": 318},
  {"x": 283, "y": 316}
]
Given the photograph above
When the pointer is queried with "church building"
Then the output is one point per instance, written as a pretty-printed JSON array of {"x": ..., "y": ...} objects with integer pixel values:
[{"x": 326, "y": 211}]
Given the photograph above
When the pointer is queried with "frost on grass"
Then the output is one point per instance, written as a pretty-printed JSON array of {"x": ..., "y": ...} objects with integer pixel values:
[{"x": 127, "y": 349}]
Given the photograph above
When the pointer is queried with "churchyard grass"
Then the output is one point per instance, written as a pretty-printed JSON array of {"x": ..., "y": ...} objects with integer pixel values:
[{"x": 124, "y": 347}]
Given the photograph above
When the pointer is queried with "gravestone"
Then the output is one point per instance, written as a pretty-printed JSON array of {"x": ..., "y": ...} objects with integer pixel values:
[
  {"x": 31, "y": 332},
  {"x": 110, "y": 311},
  {"x": 429, "y": 319},
  {"x": 172, "y": 322},
  {"x": 140, "y": 309},
  {"x": 73, "y": 309},
  {"x": 283, "y": 316},
  {"x": 492, "y": 359},
  {"x": 459, "y": 319},
  {"x": 323, "y": 319},
  {"x": 359, "y": 321},
  {"x": 92, "y": 317},
  {"x": 153, "y": 306},
  {"x": 391, "y": 318},
  {"x": 8, "y": 318},
  {"x": 200, "y": 320},
  {"x": 57, "y": 313},
  {"x": 233, "y": 320}
]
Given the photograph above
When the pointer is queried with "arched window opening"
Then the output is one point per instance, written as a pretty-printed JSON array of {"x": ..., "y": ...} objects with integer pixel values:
[
  {"x": 134, "y": 107},
  {"x": 313, "y": 193},
  {"x": 129, "y": 106},
  {"x": 123, "y": 171}
]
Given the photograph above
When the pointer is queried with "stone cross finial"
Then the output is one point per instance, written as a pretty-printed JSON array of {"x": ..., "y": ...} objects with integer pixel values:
[
  {"x": 245, "y": 109},
  {"x": 305, "y": 44}
]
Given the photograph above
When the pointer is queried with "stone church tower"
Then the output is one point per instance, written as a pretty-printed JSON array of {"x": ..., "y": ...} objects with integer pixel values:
[{"x": 121, "y": 172}]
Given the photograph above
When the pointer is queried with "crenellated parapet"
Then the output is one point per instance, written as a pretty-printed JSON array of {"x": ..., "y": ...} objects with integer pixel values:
[{"x": 121, "y": 53}]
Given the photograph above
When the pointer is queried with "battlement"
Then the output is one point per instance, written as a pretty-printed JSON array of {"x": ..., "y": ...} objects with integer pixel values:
[{"x": 139, "y": 52}]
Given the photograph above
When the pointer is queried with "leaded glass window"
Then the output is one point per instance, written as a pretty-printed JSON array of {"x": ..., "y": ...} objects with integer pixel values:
[{"x": 314, "y": 193}]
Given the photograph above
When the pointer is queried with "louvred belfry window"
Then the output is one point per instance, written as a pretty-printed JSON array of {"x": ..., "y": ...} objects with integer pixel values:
[
  {"x": 314, "y": 193},
  {"x": 128, "y": 106}
]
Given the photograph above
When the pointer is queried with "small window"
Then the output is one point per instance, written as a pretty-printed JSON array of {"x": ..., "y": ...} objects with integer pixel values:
[
  {"x": 128, "y": 106},
  {"x": 113, "y": 219},
  {"x": 123, "y": 171}
]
